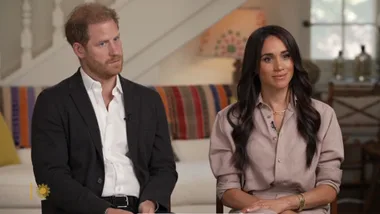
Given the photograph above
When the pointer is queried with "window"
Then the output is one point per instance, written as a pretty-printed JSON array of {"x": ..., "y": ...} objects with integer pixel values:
[{"x": 342, "y": 25}]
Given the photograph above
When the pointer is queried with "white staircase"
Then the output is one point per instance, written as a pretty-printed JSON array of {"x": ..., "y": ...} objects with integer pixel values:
[{"x": 150, "y": 31}]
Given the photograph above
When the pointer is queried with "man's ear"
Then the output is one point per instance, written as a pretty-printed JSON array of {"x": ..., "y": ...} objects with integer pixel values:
[{"x": 79, "y": 50}]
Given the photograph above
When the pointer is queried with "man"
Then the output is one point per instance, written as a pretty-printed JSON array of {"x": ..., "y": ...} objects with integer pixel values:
[{"x": 101, "y": 142}]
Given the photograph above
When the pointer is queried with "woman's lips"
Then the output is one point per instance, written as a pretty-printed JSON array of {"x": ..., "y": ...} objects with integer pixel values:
[{"x": 279, "y": 77}]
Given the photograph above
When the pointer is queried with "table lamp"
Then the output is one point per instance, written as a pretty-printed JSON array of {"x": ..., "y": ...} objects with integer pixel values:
[{"x": 227, "y": 38}]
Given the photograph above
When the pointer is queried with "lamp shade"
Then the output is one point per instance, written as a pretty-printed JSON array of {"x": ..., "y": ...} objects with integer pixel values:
[{"x": 228, "y": 37}]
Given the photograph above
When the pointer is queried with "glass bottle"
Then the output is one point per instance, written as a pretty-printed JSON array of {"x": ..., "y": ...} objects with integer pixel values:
[
  {"x": 338, "y": 66},
  {"x": 363, "y": 66}
]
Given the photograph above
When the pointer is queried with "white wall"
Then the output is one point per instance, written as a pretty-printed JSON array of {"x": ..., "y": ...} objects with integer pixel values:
[
  {"x": 146, "y": 39},
  {"x": 41, "y": 27},
  {"x": 184, "y": 66},
  {"x": 10, "y": 49}
]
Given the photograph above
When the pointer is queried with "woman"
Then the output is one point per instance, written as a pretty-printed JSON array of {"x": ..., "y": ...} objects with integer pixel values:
[{"x": 276, "y": 150}]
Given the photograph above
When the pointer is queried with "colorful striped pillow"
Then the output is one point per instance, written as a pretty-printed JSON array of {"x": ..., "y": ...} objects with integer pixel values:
[
  {"x": 16, "y": 104},
  {"x": 191, "y": 110}
]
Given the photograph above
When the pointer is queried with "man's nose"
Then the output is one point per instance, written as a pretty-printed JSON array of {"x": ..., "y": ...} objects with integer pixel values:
[{"x": 114, "y": 48}]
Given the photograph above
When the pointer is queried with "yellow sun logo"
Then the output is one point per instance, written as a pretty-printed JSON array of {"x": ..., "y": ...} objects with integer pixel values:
[{"x": 43, "y": 191}]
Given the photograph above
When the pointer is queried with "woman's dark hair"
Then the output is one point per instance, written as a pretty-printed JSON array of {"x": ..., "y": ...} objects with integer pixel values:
[{"x": 249, "y": 87}]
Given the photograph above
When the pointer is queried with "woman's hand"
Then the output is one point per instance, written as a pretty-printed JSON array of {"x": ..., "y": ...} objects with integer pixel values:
[{"x": 277, "y": 205}]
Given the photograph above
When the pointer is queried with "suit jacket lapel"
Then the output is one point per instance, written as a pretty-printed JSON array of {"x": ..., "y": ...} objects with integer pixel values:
[
  {"x": 82, "y": 101},
  {"x": 131, "y": 107}
]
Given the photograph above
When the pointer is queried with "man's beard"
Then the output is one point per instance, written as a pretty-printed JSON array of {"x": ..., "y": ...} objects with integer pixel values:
[{"x": 106, "y": 70}]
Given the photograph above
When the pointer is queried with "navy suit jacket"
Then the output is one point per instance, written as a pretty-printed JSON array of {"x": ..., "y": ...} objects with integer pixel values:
[{"x": 67, "y": 149}]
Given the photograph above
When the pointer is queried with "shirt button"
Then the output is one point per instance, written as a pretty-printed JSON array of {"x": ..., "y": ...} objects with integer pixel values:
[
  {"x": 268, "y": 116},
  {"x": 100, "y": 180},
  {"x": 274, "y": 138},
  {"x": 279, "y": 160}
]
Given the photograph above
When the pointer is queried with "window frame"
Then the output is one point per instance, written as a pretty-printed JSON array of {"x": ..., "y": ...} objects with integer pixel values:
[{"x": 343, "y": 23}]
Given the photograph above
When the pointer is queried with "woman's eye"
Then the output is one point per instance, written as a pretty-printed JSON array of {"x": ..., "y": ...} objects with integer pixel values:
[
  {"x": 266, "y": 59},
  {"x": 286, "y": 56}
]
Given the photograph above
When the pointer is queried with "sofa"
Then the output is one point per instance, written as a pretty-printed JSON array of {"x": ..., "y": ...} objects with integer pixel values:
[{"x": 190, "y": 112}]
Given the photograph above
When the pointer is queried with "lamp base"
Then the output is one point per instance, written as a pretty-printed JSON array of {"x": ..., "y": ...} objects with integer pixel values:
[
  {"x": 237, "y": 72},
  {"x": 236, "y": 75}
]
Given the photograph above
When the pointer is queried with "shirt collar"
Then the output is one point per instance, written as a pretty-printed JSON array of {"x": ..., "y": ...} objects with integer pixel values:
[
  {"x": 90, "y": 83},
  {"x": 291, "y": 105}
]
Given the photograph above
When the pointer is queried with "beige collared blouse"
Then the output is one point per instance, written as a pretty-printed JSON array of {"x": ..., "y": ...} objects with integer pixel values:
[{"x": 277, "y": 162}]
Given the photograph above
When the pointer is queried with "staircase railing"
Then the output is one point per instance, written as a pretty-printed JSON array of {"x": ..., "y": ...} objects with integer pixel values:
[{"x": 26, "y": 58}]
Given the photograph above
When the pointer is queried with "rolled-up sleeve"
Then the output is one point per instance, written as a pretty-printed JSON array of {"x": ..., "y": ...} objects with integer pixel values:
[
  {"x": 332, "y": 154},
  {"x": 220, "y": 156}
]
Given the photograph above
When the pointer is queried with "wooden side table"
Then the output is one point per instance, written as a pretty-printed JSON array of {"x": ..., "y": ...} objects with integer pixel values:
[
  {"x": 372, "y": 150},
  {"x": 357, "y": 106}
]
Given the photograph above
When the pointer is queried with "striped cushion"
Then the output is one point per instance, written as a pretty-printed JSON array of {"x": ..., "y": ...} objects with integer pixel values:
[
  {"x": 191, "y": 110},
  {"x": 16, "y": 104}
]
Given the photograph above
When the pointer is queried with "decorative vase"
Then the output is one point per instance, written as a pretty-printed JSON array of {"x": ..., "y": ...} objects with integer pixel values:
[
  {"x": 338, "y": 67},
  {"x": 363, "y": 66}
]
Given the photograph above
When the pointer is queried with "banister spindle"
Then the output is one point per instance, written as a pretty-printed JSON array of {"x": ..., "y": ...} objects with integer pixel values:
[
  {"x": 26, "y": 34},
  {"x": 57, "y": 22},
  {"x": 1, "y": 72}
]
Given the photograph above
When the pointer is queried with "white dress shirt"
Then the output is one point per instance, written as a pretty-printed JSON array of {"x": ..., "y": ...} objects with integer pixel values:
[{"x": 120, "y": 178}]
